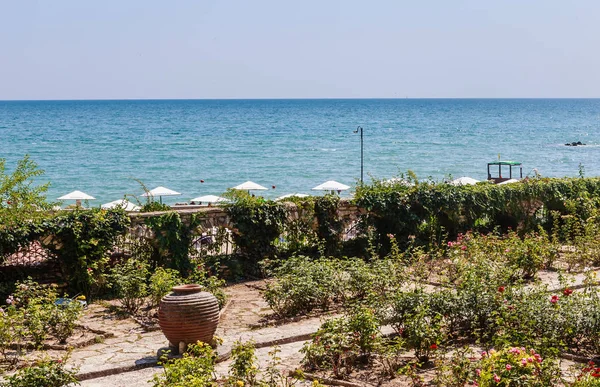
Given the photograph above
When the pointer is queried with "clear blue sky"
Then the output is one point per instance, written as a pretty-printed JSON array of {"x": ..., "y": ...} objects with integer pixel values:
[{"x": 76, "y": 49}]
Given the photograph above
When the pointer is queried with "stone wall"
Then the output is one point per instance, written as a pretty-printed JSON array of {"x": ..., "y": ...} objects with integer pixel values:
[{"x": 217, "y": 216}]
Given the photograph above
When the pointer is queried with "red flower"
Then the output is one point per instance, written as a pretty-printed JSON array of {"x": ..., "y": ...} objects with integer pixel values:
[
  {"x": 463, "y": 247},
  {"x": 433, "y": 346},
  {"x": 554, "y": 299},
  {"x": 568, "y": 292},
  {"x": 501, "y": 289}
]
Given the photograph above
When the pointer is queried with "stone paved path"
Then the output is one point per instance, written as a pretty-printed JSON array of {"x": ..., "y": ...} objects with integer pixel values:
[
  {"x": 133, "y": 346},
  {"x": 290, "y": 359}
]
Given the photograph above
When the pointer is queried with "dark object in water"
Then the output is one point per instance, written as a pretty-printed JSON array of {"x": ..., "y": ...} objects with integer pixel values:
[{"x": 574, "y": 143}]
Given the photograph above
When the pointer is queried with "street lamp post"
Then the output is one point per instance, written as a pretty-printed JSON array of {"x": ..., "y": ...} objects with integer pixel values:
[{"x": 361, "y": 151}]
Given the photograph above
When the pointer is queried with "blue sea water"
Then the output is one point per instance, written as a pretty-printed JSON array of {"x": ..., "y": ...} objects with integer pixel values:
[{"x": 100, "y": 146}]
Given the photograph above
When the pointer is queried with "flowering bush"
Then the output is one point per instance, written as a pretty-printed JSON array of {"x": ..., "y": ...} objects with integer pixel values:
[
  {"x": 243, "y": 368},
  {"x": 525, "y": 255},
  {"x": 515, "y": 367},
  {"x": 195, "y": 369},
  {"x": 43, "y": 373},
  {"x": 341, "y": 342},
  {"x": 128, "y": 281},
  {"x": 417, "y": 320},
  {"x": 11, "y": 331},
  {"x": 63, "y": 318},
  {"x": 589, "y": 376}
]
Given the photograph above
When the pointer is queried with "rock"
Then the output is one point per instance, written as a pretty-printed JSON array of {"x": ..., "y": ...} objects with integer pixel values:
[{"x": 574, "y": 143}]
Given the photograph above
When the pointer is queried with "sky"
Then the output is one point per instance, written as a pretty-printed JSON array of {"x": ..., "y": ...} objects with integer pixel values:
[{"x": 156, "y": 49}]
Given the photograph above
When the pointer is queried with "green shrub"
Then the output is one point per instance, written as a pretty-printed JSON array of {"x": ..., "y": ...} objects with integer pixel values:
[
  {"x": 161, "y": 283},
  {"x": 212, "y": 284},
  {"x": 195, "y": 369},
  {"x": 12, "y": 331},
  {"x": 44, "y": 373},
  {"x": 128, "y": 281},
  {"x": 243, "y": 370},
  {"x": 303, "y": 285},
  {"x": 63, "y": 319},
  {"x": 340, "y": 343}
]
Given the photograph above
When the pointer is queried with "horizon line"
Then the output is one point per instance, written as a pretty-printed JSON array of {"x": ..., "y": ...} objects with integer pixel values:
[{"x": 296, "y": 99}]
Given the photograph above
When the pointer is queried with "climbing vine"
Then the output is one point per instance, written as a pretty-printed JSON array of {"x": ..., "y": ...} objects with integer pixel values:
[
  {"x": 329, "y": 225},
  {"x": 172, "y": 241},
  {"x": 429, "y": 212},
  {"x": 81, "y": 240},
  {"x": 257, "y": 225}
]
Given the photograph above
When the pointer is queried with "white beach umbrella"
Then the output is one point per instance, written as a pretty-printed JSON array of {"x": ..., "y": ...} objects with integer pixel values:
[
  {"x": 122, "y": 203},
  {"x": 331, "y": 185},
  {"x": 509, "y": 181},
  {"x": 78, "y": 196},
  {"x": 209, "y": 199},
  {"x": 250, "y": 186},
  {"x": 465, "y": 180},
  {"x": 292, "y": 195},
  {"x": 160, "y": 192}
]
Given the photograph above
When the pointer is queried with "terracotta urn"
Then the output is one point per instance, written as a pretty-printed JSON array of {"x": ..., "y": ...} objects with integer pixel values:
[{"x": 188, "y": 315}]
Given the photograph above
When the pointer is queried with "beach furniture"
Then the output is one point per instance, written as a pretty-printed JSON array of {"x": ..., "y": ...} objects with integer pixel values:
[
  {"x": 160, "y": 192},
  {"x": 208, "y": 199},
  {"x": 122, "y": 203},
  {"x": 78, "y": 196},
  {"x": 250, "y": 186},
  {"x": 500, "y": 178},
  {"x": 333, "y": 186}
]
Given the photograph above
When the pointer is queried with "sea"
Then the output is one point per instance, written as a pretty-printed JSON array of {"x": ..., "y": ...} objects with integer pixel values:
[{"x": 202, "y": 147}]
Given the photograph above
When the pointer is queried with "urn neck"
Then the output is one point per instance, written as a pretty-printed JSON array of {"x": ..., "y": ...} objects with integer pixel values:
[{"x": 187, "y": 289}]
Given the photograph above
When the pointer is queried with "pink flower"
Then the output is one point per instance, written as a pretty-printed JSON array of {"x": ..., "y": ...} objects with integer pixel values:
[
  {"x": 507, "y": 250},
  {"x": 463, "y": 247},
  {"x": 450, "y": 244},
  {"x": 483, "y": 354},
  {"x": 478, "y": 372},
  {"x": 391, "y": 236},
  {"x": 554, "y": 299},
  {"x": 523, "y": 362},
  {"x": 496, "y": 378},
  {"x": 508, "y": 367}
]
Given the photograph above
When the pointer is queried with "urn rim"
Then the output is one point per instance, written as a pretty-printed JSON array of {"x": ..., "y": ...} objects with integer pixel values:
[{"x": 189, "y": 288}]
